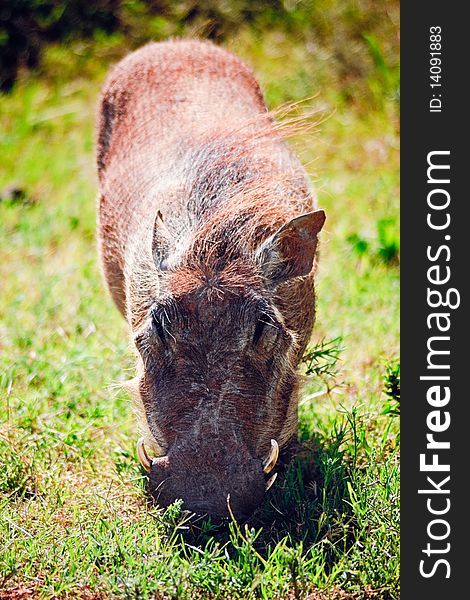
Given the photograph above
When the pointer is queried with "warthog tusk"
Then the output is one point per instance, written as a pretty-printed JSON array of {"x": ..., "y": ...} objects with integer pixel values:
[
  {"x": 269, "y": 464},
  {"x": 271, "y": 481},
  {"x": 144, "y": 458}
]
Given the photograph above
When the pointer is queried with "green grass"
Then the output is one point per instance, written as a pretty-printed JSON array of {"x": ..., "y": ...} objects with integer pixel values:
[{"x": 74, "y": 521}]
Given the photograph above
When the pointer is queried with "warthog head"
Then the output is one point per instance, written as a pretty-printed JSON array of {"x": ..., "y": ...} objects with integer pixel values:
[{"x": 218, "y": 348}]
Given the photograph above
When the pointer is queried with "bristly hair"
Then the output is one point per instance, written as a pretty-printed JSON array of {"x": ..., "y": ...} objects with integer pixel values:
[
  {"x": 228, "y": 160},
  {"x": 242, "y": 186}
]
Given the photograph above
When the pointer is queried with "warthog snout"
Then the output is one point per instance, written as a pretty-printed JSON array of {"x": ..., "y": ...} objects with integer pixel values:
[{"x": 210, "y": 480}]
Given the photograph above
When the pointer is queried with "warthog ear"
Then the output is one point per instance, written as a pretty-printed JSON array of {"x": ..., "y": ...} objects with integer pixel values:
[
  {"x": 291, "y": 250},
  {"x": 162, "y": 243}
]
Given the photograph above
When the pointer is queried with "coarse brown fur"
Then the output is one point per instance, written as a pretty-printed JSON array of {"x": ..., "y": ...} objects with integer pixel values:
[{"x": 206, "y": 254}]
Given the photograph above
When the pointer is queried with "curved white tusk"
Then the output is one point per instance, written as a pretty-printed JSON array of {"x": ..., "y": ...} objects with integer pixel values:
[
  {"x": 269, "y": 464},
  {"x": 271, "y": 481},
  {"x": 144, "y": 458}
]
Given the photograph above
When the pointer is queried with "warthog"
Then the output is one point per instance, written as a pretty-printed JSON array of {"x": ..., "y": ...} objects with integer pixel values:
[{"x": 208, "y": 236}]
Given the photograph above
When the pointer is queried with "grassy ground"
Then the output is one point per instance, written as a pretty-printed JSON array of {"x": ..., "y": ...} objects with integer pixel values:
[{"x": 73, "y": 516}]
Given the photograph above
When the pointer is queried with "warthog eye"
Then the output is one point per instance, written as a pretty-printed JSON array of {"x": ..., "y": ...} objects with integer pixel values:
[
  {"x": 158, "y": 325},
  {"x": 260, "y": 325}
]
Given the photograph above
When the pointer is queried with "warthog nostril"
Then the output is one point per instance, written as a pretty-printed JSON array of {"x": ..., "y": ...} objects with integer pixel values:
[{"x": 204, "y": 486}]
